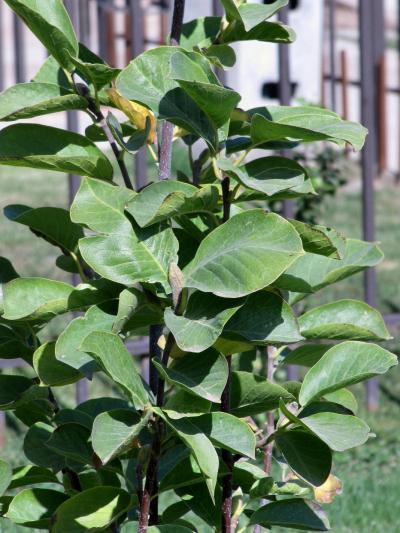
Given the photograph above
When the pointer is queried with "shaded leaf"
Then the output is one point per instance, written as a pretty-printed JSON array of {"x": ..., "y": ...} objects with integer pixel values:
[
  {"x": 45, "y": 147},
  {"x": 291, "y": 513},
  {"x": 36, "y": 450},
  {"x": 320, "y": 240},
  {"x": 12, "y": 389},
  {"x": 31, "y": 475},
  {"x": 71, "y": 440},
  {"x": 5, "y": 476},
  {"x": 51, "y": 371},
  {"x": 34, "y": 507},
  {"x": 136, "y": 311},
  {"x": 306, "y": 355},
  {"x": 203, "y": 375}
]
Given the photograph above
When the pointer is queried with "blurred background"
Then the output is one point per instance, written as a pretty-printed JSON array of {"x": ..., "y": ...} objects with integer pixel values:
[{"x": 347, "y": 58}]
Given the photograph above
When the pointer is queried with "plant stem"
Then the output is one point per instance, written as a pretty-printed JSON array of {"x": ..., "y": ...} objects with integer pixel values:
[{"x": 149, "y": 500}]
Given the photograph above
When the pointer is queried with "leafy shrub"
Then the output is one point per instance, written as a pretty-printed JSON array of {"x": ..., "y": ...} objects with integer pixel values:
[{"x": 207, "y": 275}]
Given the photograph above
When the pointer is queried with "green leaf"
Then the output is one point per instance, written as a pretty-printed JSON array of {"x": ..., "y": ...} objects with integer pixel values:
[
  {"x": 51, "y": 223},
  {"x": 27, "y": 100},
  {"x": 50, "y": 22},
  {"x": 110, "y": 354},
  {"x": 224, "y": 430},
  {"x": 45, "y": 147},
  {"x": 132, "y": 527},
  {"x": 43, "y": 299},
  {"x": 100, "y": 206},
  {"x": 251, "y": 14},
  {"x": 202, "y": 321},
  {"x": 320, "y": 240},
  {"x": 303, "y": 123},
  {"x": 52, "y": 372},
  {"x": 116, "y": 432},
  {"x": 71, "y": 440},
  {"x": 5, "y": 476},
  {"x": 149, "y": 80},
  {"x": 225, "y": 260},
  {"x": 200, "y": 446},
  {"x": 343, "y": 397},
  {"x": 344, "y": 319},
  {"x": 165, "y": 199},
  {"x": 203, "y": 375},
  {"x": 137, "y": 255},
  {"x": 345, "y": 364},
  {"x": 221, "y": 55},
  {"x": 291, "y": 513},
  {"x": 306, "y": 355},
  {"x": 245, "y": 475},
  {"x": 269, "y": 175},
  {"x": 135, "y": 311},
  {"x": 11, "y": 389},
  {"x": 252, "y": 394},
  {"x": 312, "y": 272},
  {"x": 67, "y": 349},
  {"x": 15, "y": 341},
  {"x": 307, "y": 455},
  {"x": 268, "y": 32},
  {"x": 34, "y": 508},
  {"x": 67, "y": 415},
  {"x": 200, "y": 32},
  {"x": 91, "y": 510},
  {"x": 265, "y": 318},
  {"x": 36, "y": 450},
  {"x": 339, "y": 432},
  {"x": 31, "y": 475}
]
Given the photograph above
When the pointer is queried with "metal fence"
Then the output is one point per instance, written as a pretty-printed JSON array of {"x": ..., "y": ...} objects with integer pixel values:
[{"x": 121, "y": 29}]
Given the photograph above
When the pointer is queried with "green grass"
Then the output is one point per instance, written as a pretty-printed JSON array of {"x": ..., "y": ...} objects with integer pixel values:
[{"x": 370, "y": 499}]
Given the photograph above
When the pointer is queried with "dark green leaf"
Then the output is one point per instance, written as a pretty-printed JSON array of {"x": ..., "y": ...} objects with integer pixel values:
[
  {"x": 45, "y": 147},
  {"x": 320, "y": 240},
  {"x": 31, "y": 475},
  {"x": 50, "y": 370},
  {"x": 71, "y": 440},
  {"x": 292, "y": 513},
  {"x": 203, "y": 375},
  {"x": 306, "y": 355},
  {"x": 200, "y": 32},
  {"x": 5, "y": 476},
  {"x": 36, "y": 450},
  {"x": 12, "y": 389}
]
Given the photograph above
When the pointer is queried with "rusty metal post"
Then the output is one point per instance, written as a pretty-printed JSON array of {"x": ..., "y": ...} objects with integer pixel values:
[
  {"x": 218, "y": 11},
  {"x": 2, "y": 429},
  {"x": 382, "y": 123},
  {"x": 2, "y": 73},
  {"x": 332, "y": 50},
  {"x": 19, "y": 49},
  {"x": 368, "y": 159},
  {"x": 345, "y": 84}
]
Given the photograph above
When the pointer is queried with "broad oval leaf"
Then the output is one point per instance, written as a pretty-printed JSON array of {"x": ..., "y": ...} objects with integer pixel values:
[
  {"x": 339, "y": 432},
  {"x": 165, "y": 199},
  {"x": 265, "y": 318},
  {"x": 50, "y": 22},
  {"x": 116, "y": 432},
  {"x": 202, "y": 321},
  {"x": 67, "y": 349},
  {"x": 312, "y": 272},
  {"x": 224, "y": 430},
  {"x": 136, "y": 311},
  {"x": 345, "y": 364},
  {"x": 51, "y": 223},
  {"x": 12, "y": 389},
  {"x": 307, "y": 455},
  {"x": 306, "y": 355},
  {"x": 5, "y": 476},
  {"x": 225, "y": 260},
  {"x": 100, "y": 206},
  {"x": 91, "y": 510},
  {"x": 304, "y": 123},
  {"x": 45, "y": 147},
  {"x": 293, "y": 513},
  {"x": 36, "y": 450},
  {"x": 31, "y": 475},
  {"x": 111, "y": 355},
  {"x": 252, "y": 394},
  {"x": 200, "y": 32},
  {"x": 251, "y": 14},
  {"x": 149, "y": 80},
  {"x": 15, "y": 341},
  {"x": 269, "y": 175},
  {"x": 71, "y": 440},
  {"x": 27, "y": 100},
  {"x": 344, "y": 319},
  {"x": 34, "y": 507},
  {"x": 203, "y": 375}
]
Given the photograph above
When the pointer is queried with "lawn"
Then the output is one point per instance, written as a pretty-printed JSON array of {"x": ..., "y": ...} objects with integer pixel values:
[{"x": 371, "y": 483}]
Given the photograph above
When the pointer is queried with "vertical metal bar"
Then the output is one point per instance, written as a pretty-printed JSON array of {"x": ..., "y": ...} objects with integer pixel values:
[
  {"x": 19, "y": 49},
  {"x": 218, "y": 11},
  {"x": 81, "y": 388},
  {"x": 84, "y": 22},
  {"x": 2, "y": 429},
  {"x": 345, "y": 84},
  {"x": 1, "y": 49},
  {"x": 382, "y": 139},
  {"x": 101, "y": 29},
  {"x": 137, "y": 46},
  {"x": 368, "y": 159},
  {"x": 332, "y": 50}
]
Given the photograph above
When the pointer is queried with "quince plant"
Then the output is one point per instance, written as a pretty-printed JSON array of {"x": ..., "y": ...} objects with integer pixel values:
[{"x": 197, "y": 263}]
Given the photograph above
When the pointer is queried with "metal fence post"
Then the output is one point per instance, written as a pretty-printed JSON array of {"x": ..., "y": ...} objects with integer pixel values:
[
  {"x": 137, "y": 47},
  {"x": 368, "y": 159},
  {"x": 332, "y": 50},
  {"x": 19, "y": 49}
]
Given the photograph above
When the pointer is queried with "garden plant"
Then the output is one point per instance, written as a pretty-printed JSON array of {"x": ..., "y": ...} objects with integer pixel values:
[{"x": 211, "y": 440}]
